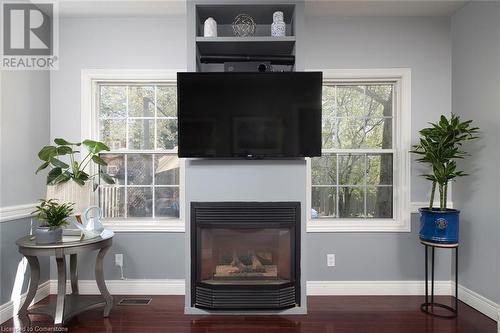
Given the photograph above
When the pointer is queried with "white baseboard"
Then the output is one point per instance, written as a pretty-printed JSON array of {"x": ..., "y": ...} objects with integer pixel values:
[
  {"x": 328, "y": 288},
  {"x": 442, "y": 288},
  {"x": 479, "y": 302},
  {"x": 128, "y": 287},
  {"x": 314, "y": 288},
  {"x": 9, "y": 309}
]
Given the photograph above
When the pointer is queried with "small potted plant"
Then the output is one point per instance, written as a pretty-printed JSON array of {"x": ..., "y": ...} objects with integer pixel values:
[
  {"x": 440, "y": 146},
  {"x": 53, "y": 215}
]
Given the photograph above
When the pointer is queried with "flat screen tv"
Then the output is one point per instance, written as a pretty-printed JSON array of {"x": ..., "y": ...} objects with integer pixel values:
[{"x": 249, "y": 115}]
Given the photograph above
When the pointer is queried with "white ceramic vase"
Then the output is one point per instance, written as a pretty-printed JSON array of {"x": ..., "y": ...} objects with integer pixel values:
[
  {"x": 278, "y": 27},
  {"x": 210, "y": 28}
]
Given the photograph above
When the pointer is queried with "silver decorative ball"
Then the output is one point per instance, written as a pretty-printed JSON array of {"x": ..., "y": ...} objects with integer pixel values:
[{"x": 243, "y": 25}]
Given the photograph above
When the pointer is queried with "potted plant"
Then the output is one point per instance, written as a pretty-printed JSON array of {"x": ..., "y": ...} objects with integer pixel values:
[
  {"x": 440, "y": 146},
  {"x": 62, "y": 172},
  {"x": 68, "y": 181},
  {"x": 53, "y": 215}
]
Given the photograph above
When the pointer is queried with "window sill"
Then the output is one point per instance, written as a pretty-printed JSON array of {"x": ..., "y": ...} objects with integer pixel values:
[
  {"x": 358, "y": 225},
  {"x": 146, "y": 226},
  {"x": 402, "y": 224}
]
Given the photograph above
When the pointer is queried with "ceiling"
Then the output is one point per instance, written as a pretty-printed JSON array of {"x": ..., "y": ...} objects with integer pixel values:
[
  {"x": 383, "y": 8},
  {"x": 321, "y": 8},
  {"x": 121, "y": 8}
]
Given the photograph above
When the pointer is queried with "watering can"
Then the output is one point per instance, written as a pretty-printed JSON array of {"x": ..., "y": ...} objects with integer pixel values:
[{"x": 92, "y": 226}]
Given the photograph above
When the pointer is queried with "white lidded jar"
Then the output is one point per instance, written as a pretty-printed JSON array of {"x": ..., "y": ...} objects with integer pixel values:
[
  {"x": 210, "y": 28},
  {"x": 278, "y": 26}
]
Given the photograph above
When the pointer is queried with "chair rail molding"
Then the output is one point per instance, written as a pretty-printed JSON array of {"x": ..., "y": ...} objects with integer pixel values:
[{"x": 10, "y": 213}]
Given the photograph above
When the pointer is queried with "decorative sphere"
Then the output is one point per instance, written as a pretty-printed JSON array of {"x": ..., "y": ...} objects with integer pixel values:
[{"x": 243, "y": 25}]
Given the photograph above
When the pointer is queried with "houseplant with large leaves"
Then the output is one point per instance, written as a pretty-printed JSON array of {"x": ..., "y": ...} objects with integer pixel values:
[
  {"x": 440, "y": 147},
  {"x": 61, "y": 171},
  {"x": 68, "y": 178}
]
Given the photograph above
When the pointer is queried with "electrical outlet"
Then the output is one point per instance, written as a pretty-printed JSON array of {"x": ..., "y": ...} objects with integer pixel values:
[
  {"x": 119, "y": 259},
  {"x": 330, "y": 260}
]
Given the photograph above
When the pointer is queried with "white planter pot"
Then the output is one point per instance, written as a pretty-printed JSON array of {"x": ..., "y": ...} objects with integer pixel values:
[{"x": 72, "y": 192}]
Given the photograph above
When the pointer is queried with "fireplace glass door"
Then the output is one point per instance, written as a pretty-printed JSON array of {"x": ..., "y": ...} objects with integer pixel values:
[{"x": 245, "y": 255}]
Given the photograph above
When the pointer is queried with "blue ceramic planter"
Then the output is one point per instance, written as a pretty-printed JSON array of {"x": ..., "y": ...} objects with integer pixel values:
[{"x": 438, "y": 226}]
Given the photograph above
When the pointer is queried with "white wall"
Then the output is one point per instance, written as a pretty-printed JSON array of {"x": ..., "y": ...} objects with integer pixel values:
[{"x": 476, "y": 89}]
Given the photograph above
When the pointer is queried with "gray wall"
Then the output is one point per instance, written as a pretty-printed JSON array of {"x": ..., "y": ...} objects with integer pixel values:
[
  {"x": 223, "y": 180},
  {"x": 11, "y": 269},
  {"x": 118, "y": 43},
  {"x": 424, "y": 45},
  {"x": 24, "y": 130},
  {"x": 476, "y": 87},
  {"x": 109, "y": 43},
  {"x": 145, "y": 256}
]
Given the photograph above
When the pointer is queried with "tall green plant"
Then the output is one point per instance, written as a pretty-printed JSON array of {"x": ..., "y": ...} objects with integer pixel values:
[
  {"x": 440, "y": 146},
  {"x": 61, "y": 172}
]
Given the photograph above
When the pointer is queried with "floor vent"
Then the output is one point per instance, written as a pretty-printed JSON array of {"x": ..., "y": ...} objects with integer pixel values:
[{"x": 134, "y": 301}]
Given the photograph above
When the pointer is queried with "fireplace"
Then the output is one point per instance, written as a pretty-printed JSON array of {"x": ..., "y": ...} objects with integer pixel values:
[{"x": 245, "y": 255}]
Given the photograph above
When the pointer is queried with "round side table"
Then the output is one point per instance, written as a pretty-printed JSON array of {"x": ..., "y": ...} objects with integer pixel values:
[
  {"x": 66, "y": 306},
  {"x": 428, "y": 306}
]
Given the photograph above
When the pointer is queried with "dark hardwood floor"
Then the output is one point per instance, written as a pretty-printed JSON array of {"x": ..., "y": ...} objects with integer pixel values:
[{"x": 327, "y": 314}]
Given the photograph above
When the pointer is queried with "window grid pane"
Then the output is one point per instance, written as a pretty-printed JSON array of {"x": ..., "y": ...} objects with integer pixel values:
[
  {"x": 355, "y": 172},
  {"x": 357, "y": 175},
  {"x": 131, "y": 117}
]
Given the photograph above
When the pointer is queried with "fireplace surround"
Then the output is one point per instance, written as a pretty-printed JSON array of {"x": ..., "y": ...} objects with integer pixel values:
[{"x": 245, "y": 255}]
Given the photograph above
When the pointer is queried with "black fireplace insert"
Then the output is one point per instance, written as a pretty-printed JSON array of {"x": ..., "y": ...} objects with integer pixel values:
[{"x": 245, "y": 255}]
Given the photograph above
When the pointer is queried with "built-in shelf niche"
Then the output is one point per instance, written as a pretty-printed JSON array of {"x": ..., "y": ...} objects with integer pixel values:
[
  {"x": 262, "y": 15},
  {"x": 260, "y": 44}
]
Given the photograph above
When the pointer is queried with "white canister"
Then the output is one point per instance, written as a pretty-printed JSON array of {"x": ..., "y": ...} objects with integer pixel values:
[
  {"x": 210, "y": 28},
  {"x": 278, "y": 27}
]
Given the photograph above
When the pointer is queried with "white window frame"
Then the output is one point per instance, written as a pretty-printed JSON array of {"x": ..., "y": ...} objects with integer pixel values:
[
  {"x": 401, "y": 221},
  {"x": 89, "y": 118}
]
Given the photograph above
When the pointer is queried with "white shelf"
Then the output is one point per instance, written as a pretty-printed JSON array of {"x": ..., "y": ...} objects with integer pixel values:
[{"x": 266, "y": 39}]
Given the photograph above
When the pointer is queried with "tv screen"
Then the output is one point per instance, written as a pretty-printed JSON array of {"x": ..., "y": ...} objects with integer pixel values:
[{"x": 249, "y": 115}]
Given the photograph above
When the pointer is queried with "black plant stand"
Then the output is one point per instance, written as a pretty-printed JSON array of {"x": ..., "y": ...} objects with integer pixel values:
[{"x": 428, "y": 307}]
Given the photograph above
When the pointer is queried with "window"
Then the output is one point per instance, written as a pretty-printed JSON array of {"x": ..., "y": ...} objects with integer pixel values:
[
  {"x": 136, "y": 116},
  {"x": 360, "y": 182}
]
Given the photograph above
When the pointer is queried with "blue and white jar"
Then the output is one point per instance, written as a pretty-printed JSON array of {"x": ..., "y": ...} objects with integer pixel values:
[{"x": 278, "y": 26}]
